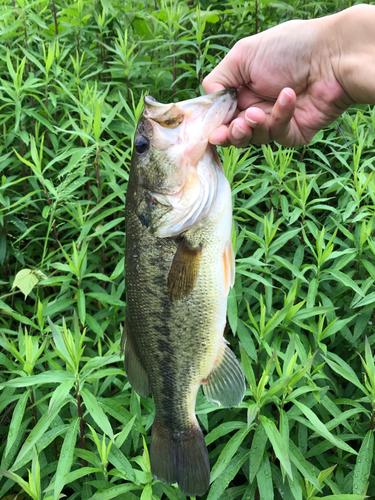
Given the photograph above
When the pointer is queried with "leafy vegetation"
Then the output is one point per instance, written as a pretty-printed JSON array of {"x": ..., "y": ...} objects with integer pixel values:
[{"x": 301, "y": 314}]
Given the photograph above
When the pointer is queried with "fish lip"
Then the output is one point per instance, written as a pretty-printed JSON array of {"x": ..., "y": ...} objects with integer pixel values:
[{"x": 151, "y": 101}]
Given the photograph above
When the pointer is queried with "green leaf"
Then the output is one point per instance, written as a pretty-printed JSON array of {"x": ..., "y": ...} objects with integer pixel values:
[
  {"x": 118, "y": 459},
  {"x": 345, "y": 280},
  {"x": 97, "y": 413},
  {"x": 307, "y": 470},
  {"x": 322, "y": 429},
  {"x": 147, "y": 492},
  {"x": 50, "y": 377},
  {"x": 342, "y": 368},
  {"x": 232, "y": 310},
  {"x": 221, "y": 483},
  {"x": 115, "y": 491},
  {"x": 363, "y": 464},
  {"x": 264, "y": 478},
  {"x": 81, "y": 301},
  {"x": 228, "y": 452},
  {"x": 16, "y": 421},
  {"x": 105, "y": 298},
  {"x": 78, "y": 473},
  {"x": 257, "y": 451},
  {"x": 58, "y": 400},
  {"x": 119, "y": 269},
  {"x": 221, "y": 430},
  {"x": 277, "y": 444},
  {"x": 25, "y": 280},
  {"x": 66, "y": 457},
  {"x": 341, "y": 497},
  {"x": 288, "y": 265},
  {"x": 369, "y": 299}
]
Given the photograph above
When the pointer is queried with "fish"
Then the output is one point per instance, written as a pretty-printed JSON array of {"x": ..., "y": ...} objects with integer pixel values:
[{"x": 179, "y": 267}]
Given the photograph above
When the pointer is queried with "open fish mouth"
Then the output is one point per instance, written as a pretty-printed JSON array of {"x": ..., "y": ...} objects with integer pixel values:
[{"x": 192, "y": 120}]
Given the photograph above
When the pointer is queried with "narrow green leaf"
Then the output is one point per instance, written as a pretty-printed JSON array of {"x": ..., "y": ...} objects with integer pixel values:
[
  {"x": 341, "y": 497},
  {"x": 105, "y": 298},
  {"x": 147, "y": 492},
  {"x": 277, "y": 444},
  {"x": 81, "y": 301},
  {"x": 363, "y": 464},
  {"x": 342, "y": 368},
  {"x": 322, "y": 429},
  {"x": 97, "y": 413},
  {"x": 16, "y": 421},
  {"x": 121, "y": 437},
  {"x": 264, "y": 479},
  {"x": 228, "y": 452},
  {"x": 221, "y": 483},
  {"x": 50, "y": 377},
  {"x": 307, "y": 470},
  {"x": 257, "y": 450},
  {"x": 66, "y": 458},
  {"x": 37, "y": 432},
  {"x": 78, "y": 473},
  {"x": 115, "y": 491},
  {"x": 118, "y": 459},
  {"x": 345, "y": 280}
]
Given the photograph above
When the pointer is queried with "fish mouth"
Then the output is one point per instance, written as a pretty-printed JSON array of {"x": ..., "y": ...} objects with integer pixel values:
[
  {"x": 180, "y": 133},
  {"x": 172, "y": 115}
]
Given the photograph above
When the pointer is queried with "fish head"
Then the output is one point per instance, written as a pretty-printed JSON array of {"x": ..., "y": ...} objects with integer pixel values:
[{"x": 170, "y": 146}]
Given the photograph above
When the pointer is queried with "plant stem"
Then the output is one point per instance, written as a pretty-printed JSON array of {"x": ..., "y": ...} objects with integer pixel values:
[
  {"x": 55, "y": 17},
  {"x": 33, "y": 406},
  {"x": 81, "y": 423},
  {"x": 174, "y": 71},
  {"x": 23, "y": 165},
  {"x": 97, "y": 169},
  {"x": 25, "y": 32},
  {"x": 372, "y": 420},
  {"x": 57, "y": 243}
]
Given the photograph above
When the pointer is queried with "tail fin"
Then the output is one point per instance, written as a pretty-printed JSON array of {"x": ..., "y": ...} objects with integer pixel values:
[{"x": 180, "y": 457}]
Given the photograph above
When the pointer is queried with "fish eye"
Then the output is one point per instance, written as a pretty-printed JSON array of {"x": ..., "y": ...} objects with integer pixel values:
[{"x": 141, "y": 144}]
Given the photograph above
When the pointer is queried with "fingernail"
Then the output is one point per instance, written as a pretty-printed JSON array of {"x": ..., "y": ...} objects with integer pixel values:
[
  {"x": 284, "y": 98},
  {"x": 238, "y": 133},
  {"x": 250, "y": 120}
]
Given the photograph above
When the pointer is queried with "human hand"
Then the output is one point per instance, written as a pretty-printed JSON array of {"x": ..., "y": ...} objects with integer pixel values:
[{"x": 286, "y": 82}]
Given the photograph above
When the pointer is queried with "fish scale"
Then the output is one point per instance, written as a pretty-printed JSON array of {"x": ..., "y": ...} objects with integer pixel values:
[{"x": 177, "y": 280}]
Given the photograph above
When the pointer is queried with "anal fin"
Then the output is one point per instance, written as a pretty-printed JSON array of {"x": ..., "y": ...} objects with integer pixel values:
[
  {"x": 184, "y": 271},
  {"x": 225, "y": 386},
  {"x": 135, "y": 371}
]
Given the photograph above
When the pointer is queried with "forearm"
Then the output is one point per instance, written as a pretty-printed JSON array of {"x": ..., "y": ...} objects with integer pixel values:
[{"x": 352, "y": 34}]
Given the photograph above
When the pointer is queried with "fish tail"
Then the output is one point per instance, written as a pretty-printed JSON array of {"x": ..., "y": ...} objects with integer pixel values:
[{"x": 180, "y": 457}]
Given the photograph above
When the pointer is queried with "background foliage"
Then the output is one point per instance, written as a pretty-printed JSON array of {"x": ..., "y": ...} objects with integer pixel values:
[{"x": 73, "y": 76}]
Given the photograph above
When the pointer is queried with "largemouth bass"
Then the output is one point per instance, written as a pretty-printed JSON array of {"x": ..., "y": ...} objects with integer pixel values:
[{"x": 179, "y": 268}]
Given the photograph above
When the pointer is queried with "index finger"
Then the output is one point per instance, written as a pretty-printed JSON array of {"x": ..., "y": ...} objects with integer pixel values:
[{"x": 229, "y": 72}]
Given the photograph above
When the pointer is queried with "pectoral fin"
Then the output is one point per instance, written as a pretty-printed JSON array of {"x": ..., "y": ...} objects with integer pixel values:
[
  {"x": 229, "y": 267},
  {"x": 184, "y": 271},
  {"x": 135, "y": 371},
  {"x": 225, "y": 386}
]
